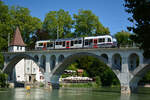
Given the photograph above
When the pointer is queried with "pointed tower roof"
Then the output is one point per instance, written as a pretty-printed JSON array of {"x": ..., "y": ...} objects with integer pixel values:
[{"x": 17, "y": 39}]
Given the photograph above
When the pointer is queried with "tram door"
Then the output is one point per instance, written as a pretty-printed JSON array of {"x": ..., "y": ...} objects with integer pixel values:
[
  {"x": 44, "y": 46},
  {"x": 67, "y": 44},
  {"x": 95, "y": 43}
]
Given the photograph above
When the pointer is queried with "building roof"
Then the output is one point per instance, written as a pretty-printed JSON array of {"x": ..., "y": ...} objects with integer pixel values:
[
  {"x": 80, "y": 70},
  {"x": 17, "y": 39}
]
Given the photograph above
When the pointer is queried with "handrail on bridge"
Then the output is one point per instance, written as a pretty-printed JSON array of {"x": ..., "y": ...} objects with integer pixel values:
[{"x": 123, "y": 47}]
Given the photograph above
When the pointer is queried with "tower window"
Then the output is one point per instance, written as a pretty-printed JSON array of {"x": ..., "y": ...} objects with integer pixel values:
[
  {"x": 33, "y": 69},
  {"x": 28, "y": 69}
]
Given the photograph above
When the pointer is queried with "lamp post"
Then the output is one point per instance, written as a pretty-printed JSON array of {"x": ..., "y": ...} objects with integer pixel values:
[
  {"x": 57, "y": 32},
  {"x": 8, "y": 39}
]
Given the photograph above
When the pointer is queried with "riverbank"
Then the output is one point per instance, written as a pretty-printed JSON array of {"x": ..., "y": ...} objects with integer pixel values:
[{"x": 145, "y": 85}]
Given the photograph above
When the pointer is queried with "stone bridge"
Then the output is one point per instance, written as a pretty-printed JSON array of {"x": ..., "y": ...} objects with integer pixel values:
[{"x": 128, "y": 64}]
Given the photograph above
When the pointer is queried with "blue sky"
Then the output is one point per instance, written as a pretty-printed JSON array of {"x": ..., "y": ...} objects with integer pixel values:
[{"x": 111, "y": 13}]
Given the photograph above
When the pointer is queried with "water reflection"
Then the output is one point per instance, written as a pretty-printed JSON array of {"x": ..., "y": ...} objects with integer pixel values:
[
  {"x": 124, "y": 97},
  {"x": 71, "y": 94},
  {"x": 87, "y": 94},
  {"x": 37, "y": 94}
]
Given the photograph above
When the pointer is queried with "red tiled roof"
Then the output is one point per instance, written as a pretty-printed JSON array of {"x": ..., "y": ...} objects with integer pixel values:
[{"x": 17, "y": 39}]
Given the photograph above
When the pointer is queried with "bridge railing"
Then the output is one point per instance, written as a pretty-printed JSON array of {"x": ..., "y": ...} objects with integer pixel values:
[{"x": 29, "y": 49}]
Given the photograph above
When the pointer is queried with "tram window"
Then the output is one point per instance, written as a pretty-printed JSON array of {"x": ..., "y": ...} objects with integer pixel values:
[
  {"x": 76, "y": 42},
  {"x": 57, "y": 43},
  {"x": 71, "y": 43},
  {"x": 103, "y": 39},
  {"x": 109, "y": 40},
  {"x": 90, "y": 41},
  {"x": 48, "y": 44},
  {"x": 63, "y": 43},
  {"x": 51, "y": 44},
  {"x": 40, "y": 44},
  {"x": 80, "y": 41},
  {"x": 100, "y": 40},
  {"x": 86, "y": 42}
]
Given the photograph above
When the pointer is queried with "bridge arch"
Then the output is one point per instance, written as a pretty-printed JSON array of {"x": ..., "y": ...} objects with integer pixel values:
[
  {"x": 59, "y": 69},
  {"x": 117, "y": 61},
  {"x": 52, "y": 62},
  {"x": 60, "y": 58},
  {"x": 133, "y": 61},
  {"x": 36, "y": 58},
  {"x": 14, "y": 60},
  {"x": 138, "y": 73},
  {"x": 105, "y": 56},
  {"x": 8, "y": 58},
  {"x": 43, "y": 62}
]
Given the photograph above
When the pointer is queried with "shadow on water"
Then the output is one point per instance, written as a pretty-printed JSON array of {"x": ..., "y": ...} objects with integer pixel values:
[
  {"x": 90, "y": 93},
  {"x": 143, "y": 90},
  {"x": 107, "y": 89}
]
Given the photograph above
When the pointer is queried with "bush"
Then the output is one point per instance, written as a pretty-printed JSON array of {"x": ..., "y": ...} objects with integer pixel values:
[
  {"x": 3, "y": 80},
  {"x": 41, "y": 85},
  {"x": 98, "y": 80},
  {"x": 1, "y": 62}
]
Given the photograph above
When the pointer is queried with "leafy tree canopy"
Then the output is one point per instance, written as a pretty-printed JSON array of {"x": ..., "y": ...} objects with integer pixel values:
[
  {"x": 1, "y": 62},
  {"x": 4, "y": 25},
  {"x": 87, "y": 24},
  {"x": 28, "y": 25},
  {"x": 139, "y": 9},
  {"x": 123, "y": 38},
  {"x": 10, "y": 18},
  {"x": 95, "y": 68},
  {"x": 58, "y": 22}
]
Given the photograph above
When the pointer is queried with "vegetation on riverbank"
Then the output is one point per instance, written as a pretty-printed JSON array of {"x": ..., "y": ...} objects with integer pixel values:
[
  {"x": 93, "y": 68},
  {"x": 146, "y": 79},
  {"x": 84, "y": 85},
  {"x": 80, "y": 85},
  {"x": 3, "y": 80}
]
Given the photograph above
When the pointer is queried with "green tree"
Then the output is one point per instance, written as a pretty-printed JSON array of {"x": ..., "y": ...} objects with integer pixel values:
[
  {"x": 123, "y": 38},
  {"x": 39, "y": 35},
  {"x": 1, "y": 62},
  {"x": 4, "y": 25},
  {"x": 3, "y": 79},
  {"x": 58, "y": 22},
  {"x": 10, "y": 18},
  {"x": 87, "y": 24},
  {"x": 96, "y": 68},
  {"x": 146, "y": 78},
  {"x": 140, "y": 17},
  {"x": 28, "y": 25},
  {"x": 98, "y": 80}
]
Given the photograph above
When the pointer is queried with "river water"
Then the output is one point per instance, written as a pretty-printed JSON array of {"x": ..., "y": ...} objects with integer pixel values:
[{"x": 72, "y": 94}]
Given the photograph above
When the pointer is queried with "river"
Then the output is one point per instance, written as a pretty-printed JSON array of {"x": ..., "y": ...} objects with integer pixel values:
[{"x": 72, "y": 94}]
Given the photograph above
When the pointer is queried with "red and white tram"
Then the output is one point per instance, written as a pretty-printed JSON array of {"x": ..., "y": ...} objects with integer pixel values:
[{"x": 82, "y": 42}]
